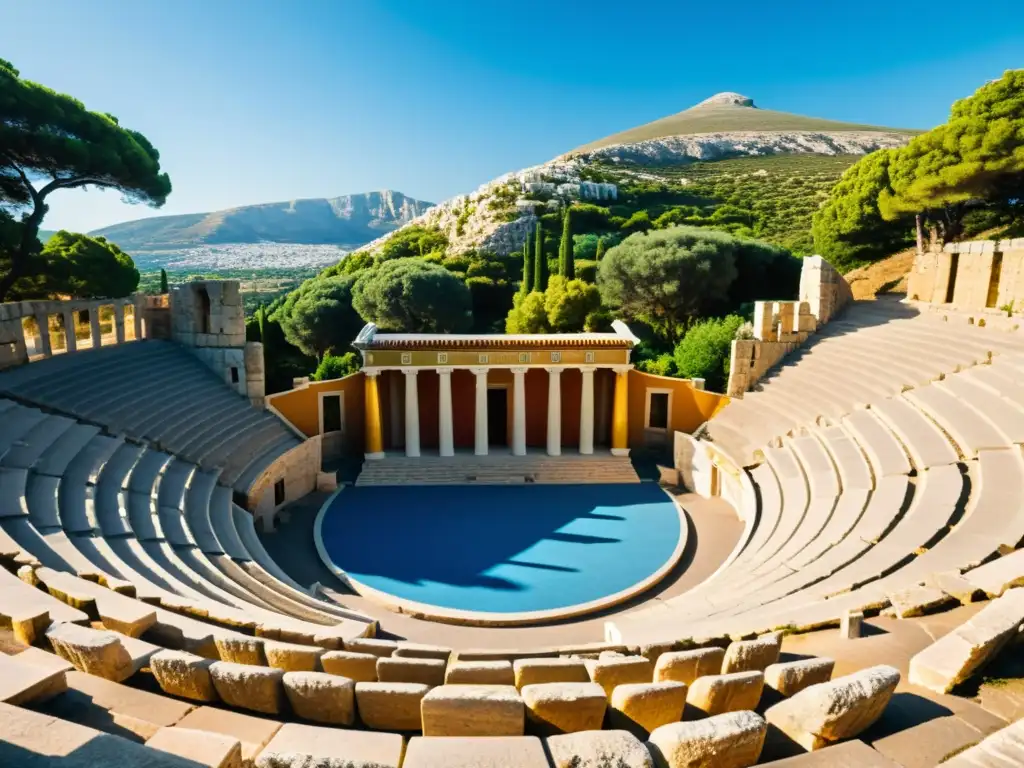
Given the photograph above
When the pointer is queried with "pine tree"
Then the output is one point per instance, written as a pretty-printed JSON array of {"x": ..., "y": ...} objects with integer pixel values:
[
  {"x": 566, "y": 262},
  {"x": 527, "y": 285},
  {"x": 540, "y": 269},
  {"x": 600, "y": 249},
  {"x": 163, "y": 281},
  {"x": 261, "y": 320}
]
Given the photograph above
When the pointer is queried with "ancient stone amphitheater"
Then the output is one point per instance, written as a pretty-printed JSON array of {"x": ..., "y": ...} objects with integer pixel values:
[{"x": 866, "y": 616}]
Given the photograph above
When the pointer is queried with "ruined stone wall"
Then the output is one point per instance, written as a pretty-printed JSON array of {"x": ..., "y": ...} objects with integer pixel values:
[
  {"x": 782, "y": 326},
  {"x": 34, "y": 330},
  {"x": 207, "y": 316},
  {"x": 298, "y": 468}
]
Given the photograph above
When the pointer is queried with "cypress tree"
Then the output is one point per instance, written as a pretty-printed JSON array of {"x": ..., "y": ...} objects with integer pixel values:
[
  {"x": 566, "y": 262},
  {"x": 527, "y": 284},
  {"x": 163, "y": 281},
  {"x": 540, "y": 270},
  {"x": 600, "y": 249}
]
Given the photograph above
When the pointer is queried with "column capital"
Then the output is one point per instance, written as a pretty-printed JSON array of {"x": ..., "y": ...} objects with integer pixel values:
[
  {"x": 519, "y": 371},
  {"x": 479, "y": 371},
  {"x": 371, "y": 373},
  {"x": 554, "y": 371},
  {"x": 409, "y": 371},
  {"x": 622, "y": 368},
  {"x": 586, "y": 368},
  {"x": 446, "y": 371}
]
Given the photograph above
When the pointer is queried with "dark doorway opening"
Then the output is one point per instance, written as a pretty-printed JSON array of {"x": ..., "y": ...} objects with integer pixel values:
[
  {"x": 954, "y": 264},
  {"x": 497, "y": 416}
]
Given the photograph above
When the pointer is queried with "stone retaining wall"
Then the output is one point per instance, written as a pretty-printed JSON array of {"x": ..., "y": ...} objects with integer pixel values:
[
  {"x": 782, "y": 326},
  {"x": 982, "y": 274},
  {"x": 298, "y": 468}
]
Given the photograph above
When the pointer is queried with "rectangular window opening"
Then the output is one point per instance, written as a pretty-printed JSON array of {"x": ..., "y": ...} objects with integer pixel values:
[
  {"x": 234, "y": 375},
  {"x": 279, "y": 492},
  {"x": 657, "y": 416},
  {"x": 332, "y": 413}
]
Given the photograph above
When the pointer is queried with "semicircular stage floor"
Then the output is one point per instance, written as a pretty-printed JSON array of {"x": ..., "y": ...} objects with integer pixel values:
[{"x": 509, "y": 550}]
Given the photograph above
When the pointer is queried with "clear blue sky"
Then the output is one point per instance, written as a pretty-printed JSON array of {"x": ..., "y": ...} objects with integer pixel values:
[{"x": 253, "y": 101}]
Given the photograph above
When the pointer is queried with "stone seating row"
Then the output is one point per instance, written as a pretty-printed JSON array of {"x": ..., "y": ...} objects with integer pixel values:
[
  {"x": 159, "y": 393},
  {"x": 869, "y": 354},
  {"x": 826, "y": 549},
  {"x": 810, "y": 710},
  {"x": 123, "y": 515}
]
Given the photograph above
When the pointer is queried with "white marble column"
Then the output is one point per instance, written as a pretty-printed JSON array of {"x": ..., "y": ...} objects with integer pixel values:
[
  {"x": 445, "y": 433},
  {"x": 587, "y": 412},
  {"x": 480, "y": 417},
  {"x": 554, "y": 411},
  {"x": 519, "y": 411},
  {"x": 412, "y": 415}
]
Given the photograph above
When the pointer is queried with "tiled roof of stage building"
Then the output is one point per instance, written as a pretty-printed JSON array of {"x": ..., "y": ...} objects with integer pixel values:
[{"x": 369, "y": 338}]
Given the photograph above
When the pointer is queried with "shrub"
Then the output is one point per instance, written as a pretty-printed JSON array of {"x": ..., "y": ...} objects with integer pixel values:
[
  {"x": 704, "y": 351},
  {"x": 527, "y": 314},
  {"x": 336, "y": 366}
]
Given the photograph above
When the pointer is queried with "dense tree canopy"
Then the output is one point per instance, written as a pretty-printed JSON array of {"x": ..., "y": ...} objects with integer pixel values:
[
  {"x": 86, "y": 267},
  {"x": 336, "y": 366},
  {"x": 413, "y": 296},
  {"x": 49, "y": 141},
  {"x": 667, "y": 277},
  {"x": 413, "y": 241},
  {"x": 318, "y": 317},
  {"x": 849, "y": 228}
]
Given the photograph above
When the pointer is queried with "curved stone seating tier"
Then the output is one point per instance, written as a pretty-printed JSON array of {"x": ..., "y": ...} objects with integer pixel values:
[
  {"x": 884, "y": 452},
  {"x": 157, "y": 392},
  {"x": 923, "y": 440},
  {"x": 839, "y": 370},
  {"x": 118, "y": 516}
]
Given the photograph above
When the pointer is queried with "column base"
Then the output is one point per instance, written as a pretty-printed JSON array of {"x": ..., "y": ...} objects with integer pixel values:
[
  {"x": 587, "y": 452},
  {"x": 620, "y": 451},
  {"x": 516, "y": 452},
  {"x": 374, "y": 456},
  {"x": 411, "y": 454},
  {"x": 554, "y": 453},
  {"x": 478, "y": 452}
]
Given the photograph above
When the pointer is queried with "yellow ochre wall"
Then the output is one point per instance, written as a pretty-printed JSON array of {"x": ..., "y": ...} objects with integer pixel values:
[
  {"x": 690, "y": 407},
  {"x": 301, "y": 407}
]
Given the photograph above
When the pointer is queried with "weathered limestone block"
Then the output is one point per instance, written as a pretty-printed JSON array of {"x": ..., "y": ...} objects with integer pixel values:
[
  {"x": 361, "y": 667},
  {"x": 253, "y": 732},
  {"x": 716, "y": 694},
  {"x": 752, "y": 655},
  {"x": 371, "y": 645},
  {"x": 468, "y": 752},
  {"x": 92, "y": 651},
  {"x": 687, "y": 666},
  {"x": 398, "y": 670},
  {"x": 917, "y": 601},
  {"x": 238, "y": 649},
  {"x": 791, "y": 677},
  {"x": 321, "y": 697},
  {"x": 292, "y": 657},
  {"x": 390, "y": 706},
  {"x": 850, "y": 625},
  {"x": 996, "y": 577},
  {"x": 553, "y": 708},
  {"x": 473, "y": 710},
  {"x": 955, "y": 657},
  {"x": 598, "y": 749},
  {"x": 480, "y": 673},
  {"x": 537, "y": 671},
  {"x": 647, "y": 705},
  {"x": 954, "y": 585},
  {"x": 24, "y": 682},
  {"x": 208, "y": 749},
  {"x": 420, "y": 651},
  {"x": 840, "y": 709},
  {"x": 312, "y": 746},
  {"x": 183, "y": 674},
  {"x": 248, "y": 687},
  {"x": 609, "y": 672},
  {"x": 732, "y": 740}
]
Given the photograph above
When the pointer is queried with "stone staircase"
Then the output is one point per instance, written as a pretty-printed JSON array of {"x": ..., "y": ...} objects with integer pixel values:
[{"x": 501, "y": 469}]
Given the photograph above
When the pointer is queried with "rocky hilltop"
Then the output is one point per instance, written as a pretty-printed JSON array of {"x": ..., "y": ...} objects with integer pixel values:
[
  {"x": 498, "y": 216},
  {"x": 348, "y": 221}
]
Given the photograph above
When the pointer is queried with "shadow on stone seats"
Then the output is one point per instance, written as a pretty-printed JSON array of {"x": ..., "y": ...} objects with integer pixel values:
[
  {"x": 905, "y": 710},
  {"x": 101, "y": 750}
]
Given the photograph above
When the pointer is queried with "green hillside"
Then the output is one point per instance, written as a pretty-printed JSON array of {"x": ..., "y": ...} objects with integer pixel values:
[{"x": 730, "y": 113}]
